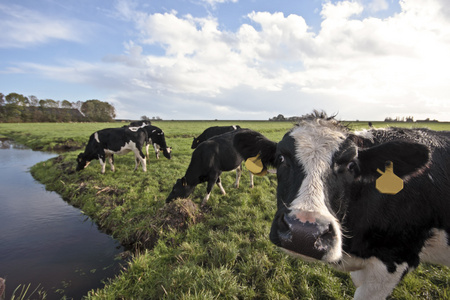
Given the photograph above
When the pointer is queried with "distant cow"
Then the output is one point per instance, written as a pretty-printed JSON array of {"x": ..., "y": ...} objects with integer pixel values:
[
  {"x": 157, "y": 138},
  {"x": 332, "y": 208},
  {"x": 105, "y": 143},
  {"x": 210, "y": 132},
  {"x": 209, "y": 160}
]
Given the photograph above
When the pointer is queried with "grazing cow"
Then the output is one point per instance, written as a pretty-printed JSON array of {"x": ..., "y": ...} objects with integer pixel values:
[
  {"x": 210, "y": 132},
  {"x": 332, "y": 208},
  {"x": 209, "y": 160},
  {"x": 157, "y": 139},
  {"x": 105, "y": 143}
]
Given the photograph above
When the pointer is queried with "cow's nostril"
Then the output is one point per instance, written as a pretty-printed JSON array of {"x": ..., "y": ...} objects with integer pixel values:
[{"x": 325, "y": 239}]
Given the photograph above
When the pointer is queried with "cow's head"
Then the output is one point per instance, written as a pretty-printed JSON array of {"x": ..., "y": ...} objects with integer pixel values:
[
  {"x": 195, "y": 143},
  {"x": 167, "y": 152},
  {"x": 318, "y": 166},
  {"x": 82, "y": 162},
  {"x": 181, "y": 189},
  {"x": 159, "y": 139}
]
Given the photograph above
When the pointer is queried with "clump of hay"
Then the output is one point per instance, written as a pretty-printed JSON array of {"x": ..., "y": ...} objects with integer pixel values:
[{"x": 175, "y": 216}]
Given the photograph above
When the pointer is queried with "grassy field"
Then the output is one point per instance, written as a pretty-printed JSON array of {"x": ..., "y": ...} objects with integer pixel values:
[{"x": 182, "y": 251}]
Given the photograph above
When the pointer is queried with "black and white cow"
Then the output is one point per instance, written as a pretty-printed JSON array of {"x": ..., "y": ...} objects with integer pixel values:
[
  {"x": 105, "y": 143},
  {"x": 212, "y": 131},
  {"x": 209, "y": 160},
  {"x": 329, "y": 208},
  {"x": 157, "y": 138}
]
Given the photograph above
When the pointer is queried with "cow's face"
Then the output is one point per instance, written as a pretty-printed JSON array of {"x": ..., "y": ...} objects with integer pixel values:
[
  {"x": 305, "y": 223},
  {"x": 195, "y": 143},
  {"x": 180, "y": 190},
  {"x": 167, "y": 152},
  {"x": 81, "y": 162},
  {"x": 318, "y": 168}
]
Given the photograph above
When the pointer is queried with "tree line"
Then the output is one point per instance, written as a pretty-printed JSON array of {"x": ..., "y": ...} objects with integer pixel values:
[{"x": 15, "y": 107}]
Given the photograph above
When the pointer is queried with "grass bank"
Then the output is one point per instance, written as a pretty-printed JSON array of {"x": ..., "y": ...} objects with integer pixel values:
[{"x": 182, "y": 251}]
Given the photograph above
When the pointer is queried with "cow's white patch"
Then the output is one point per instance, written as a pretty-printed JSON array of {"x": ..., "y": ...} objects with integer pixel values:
[
  {"x": 374, "y": 281},
  {"x": 130, "y": 146},
  {"x": 436, "y": 249},
  {"x": 234, "y": 127},
  {"x": 134, "y": 129},
  {"x": 96, "y": 137},
  {"x": 315, "y": 143},
  {"x": 366, "y": 134}
]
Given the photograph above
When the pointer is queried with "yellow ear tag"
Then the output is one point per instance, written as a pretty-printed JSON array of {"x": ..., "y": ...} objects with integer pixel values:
[
  {"x": 255, "y": 165},
  {"x": 388, "y": 182}
]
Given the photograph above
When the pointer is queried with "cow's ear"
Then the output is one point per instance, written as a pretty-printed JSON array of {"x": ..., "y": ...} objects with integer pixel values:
[
  {"x": 249, "y": 143},
  {"x": 407, "y": 158}
]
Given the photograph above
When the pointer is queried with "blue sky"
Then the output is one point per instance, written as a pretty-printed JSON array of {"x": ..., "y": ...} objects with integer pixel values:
[{"x": 232, "y": 59}]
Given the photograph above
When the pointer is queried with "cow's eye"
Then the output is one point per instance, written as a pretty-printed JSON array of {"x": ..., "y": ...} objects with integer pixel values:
[
  {"x": 352, "y": 166},
  {"x": 280, "y": 159}
]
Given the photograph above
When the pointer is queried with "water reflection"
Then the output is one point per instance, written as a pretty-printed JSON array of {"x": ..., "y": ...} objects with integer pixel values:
[
  {"x": 43, "y": 239},
  {"x": 8, "y": 144}
]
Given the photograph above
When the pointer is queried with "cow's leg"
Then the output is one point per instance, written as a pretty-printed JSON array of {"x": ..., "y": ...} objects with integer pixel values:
[
  {"x": 140, "y": 158},
  {"x": 219, "y": 184},
  {"x": 102, "y": 160},
  {"x": 206, "y": 198},
  {"x": 374, "y": 281},
  {"x": 209, "y": 187},
  {"x": 146, "y": 150},
  {"x": 238, "y": 176},
  {"x": 111, "y": 162},
  {"x": 251, "y": 179},
  {"x": 155, "y": 146}
]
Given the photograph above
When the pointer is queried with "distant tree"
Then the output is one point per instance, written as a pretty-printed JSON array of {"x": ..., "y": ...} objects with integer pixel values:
[
  {"x": 66, "y": 104},
  {"x": 2, "y": 104},
  {"x": 145, "y": 118},
  {"x": 14, "y": 98},
  {"x": 51, "y": 103},
  {"x": 15, "y": 104},
  {"x": 98, "y": 111},
  {"x": 77, "y": 105},
  {"x": 34, "y": 101},
  {"x": 280, "y": 117}
]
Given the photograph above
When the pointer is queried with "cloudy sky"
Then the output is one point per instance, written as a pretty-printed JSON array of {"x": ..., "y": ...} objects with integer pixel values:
[{"x": 232, "y": 59}]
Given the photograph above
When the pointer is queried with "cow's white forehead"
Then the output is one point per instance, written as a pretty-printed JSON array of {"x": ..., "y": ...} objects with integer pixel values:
[{"x": 315, "y": 143}]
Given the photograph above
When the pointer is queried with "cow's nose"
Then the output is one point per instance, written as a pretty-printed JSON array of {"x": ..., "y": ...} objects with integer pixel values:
[{"x": 313, "y": 237}]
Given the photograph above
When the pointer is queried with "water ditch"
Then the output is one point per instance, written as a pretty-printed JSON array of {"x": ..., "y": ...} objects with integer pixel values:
[{"x": 45, "y": 242}]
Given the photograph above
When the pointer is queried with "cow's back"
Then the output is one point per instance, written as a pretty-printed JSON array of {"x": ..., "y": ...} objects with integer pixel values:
[
  {"x": 216, "y": 152},
  {"x": 214, "y": 131}
]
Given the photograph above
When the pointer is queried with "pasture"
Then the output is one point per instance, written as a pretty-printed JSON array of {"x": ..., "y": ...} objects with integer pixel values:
[{"x": 183, "y": 251}]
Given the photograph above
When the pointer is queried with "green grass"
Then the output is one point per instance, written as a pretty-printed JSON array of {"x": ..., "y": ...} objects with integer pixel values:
[{"x": 182, "y": 251}]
